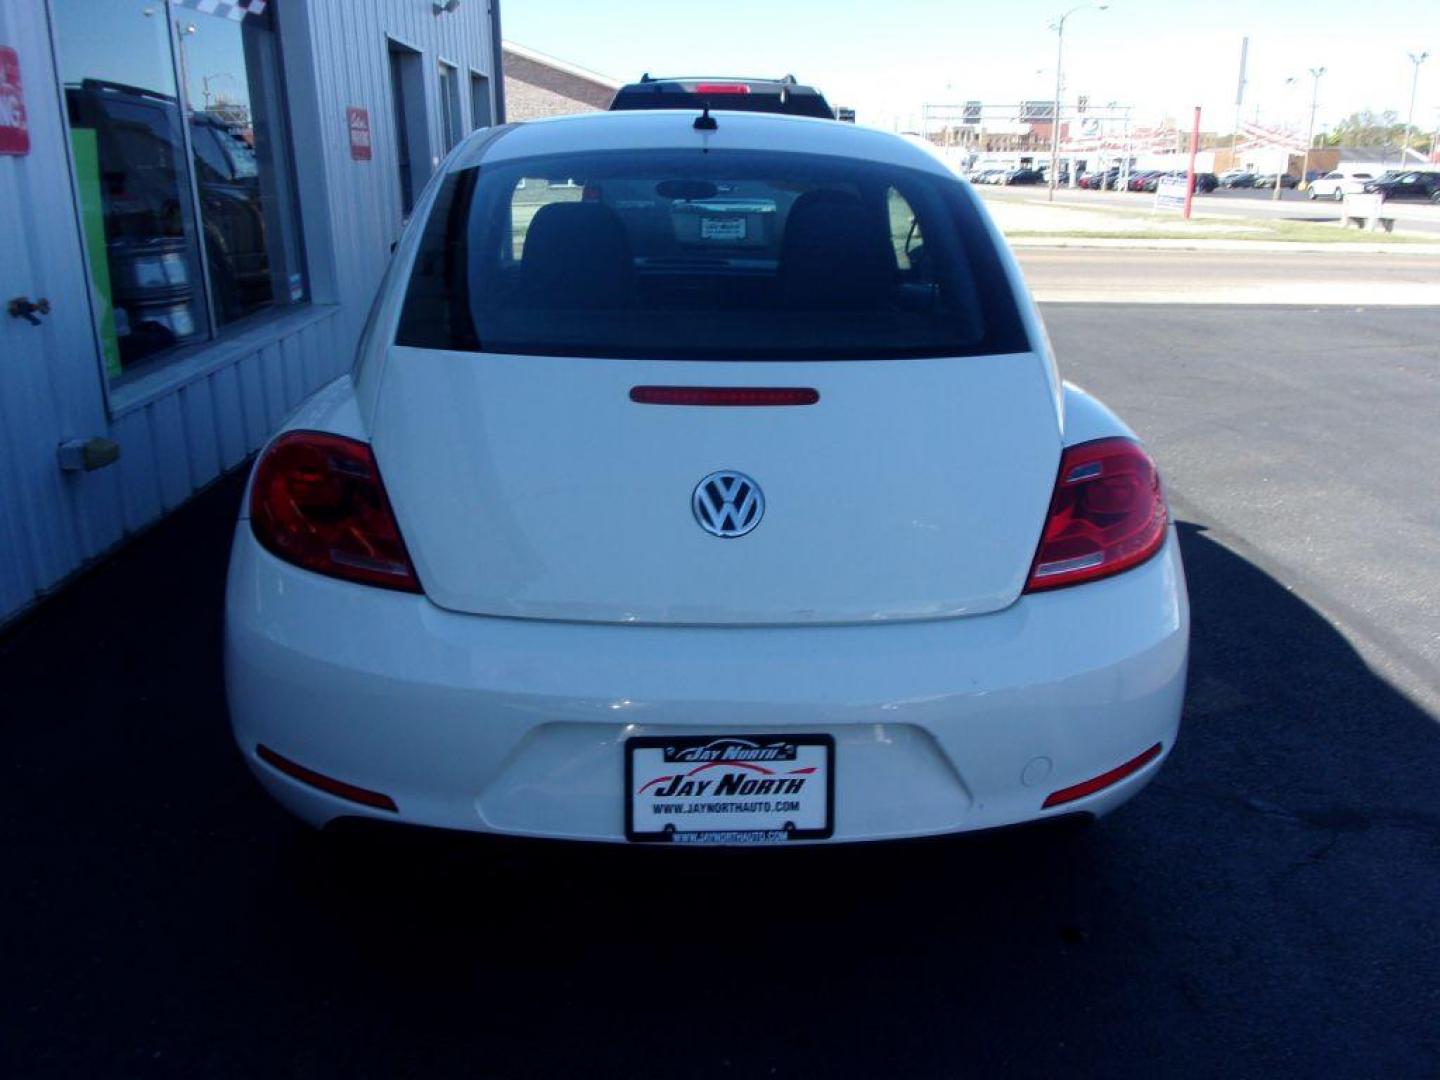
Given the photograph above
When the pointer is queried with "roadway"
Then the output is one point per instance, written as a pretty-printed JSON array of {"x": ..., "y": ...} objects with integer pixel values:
[
  {"x": 1293, "y": 206},
  {"x": 1131, "y": 275}
]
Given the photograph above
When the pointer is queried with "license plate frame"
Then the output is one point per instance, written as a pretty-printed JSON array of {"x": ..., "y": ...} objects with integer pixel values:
[{"x": 797, "y": 757}]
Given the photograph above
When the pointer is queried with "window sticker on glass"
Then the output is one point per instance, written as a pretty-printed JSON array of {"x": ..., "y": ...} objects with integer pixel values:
[{"x": 723, "y": 229}]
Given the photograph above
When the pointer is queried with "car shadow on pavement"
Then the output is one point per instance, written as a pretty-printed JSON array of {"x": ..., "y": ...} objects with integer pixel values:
[{"x": 1266, "y": 904}]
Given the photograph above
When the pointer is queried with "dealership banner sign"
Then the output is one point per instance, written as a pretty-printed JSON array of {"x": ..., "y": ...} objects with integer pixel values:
[
  {"x": 358, "y": 121},
  {"x": 14, "y": 131},
  {"x": 1170, "y": 193}
]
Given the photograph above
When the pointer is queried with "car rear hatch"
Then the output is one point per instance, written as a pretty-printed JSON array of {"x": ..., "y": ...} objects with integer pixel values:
[
  {"x": 543, "y": 449},
  {"x": 536, "y": 487}
]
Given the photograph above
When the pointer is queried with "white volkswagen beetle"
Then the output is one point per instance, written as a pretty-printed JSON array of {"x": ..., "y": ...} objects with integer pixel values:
[{"x": 703, "y": 480}]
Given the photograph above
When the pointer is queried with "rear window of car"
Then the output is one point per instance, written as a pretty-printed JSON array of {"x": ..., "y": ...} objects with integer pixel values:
[{"x": 724, "y": 255}]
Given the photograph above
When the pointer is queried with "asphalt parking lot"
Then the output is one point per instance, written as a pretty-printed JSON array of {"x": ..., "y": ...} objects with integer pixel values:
[{"x": 1267, "y": 907}]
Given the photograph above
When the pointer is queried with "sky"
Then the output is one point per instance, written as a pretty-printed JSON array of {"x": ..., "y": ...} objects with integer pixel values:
[
  {"x": 887, "y": 60},
  {"x": 126, "y": 41}
]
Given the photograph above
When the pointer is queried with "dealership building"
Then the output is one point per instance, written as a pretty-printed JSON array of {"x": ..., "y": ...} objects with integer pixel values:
[{"x": 197, "y": 201}]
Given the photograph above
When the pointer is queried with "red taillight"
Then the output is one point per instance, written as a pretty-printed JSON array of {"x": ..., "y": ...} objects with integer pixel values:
[
  {"x": 721, "y": 88},
  {"x": 724, "y": 395},
  {"x": 1107, "y": 515},
  {"x": 317, "y": 501}
]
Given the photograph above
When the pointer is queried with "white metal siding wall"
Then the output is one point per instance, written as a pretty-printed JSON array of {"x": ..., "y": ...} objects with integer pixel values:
[
  {"x": 228, "y": 398},
  {"x": 351, "y": 66},
  {"x": 50, "y": 522}
]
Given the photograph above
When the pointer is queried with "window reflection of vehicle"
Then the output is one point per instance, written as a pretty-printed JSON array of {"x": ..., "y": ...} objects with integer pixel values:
[
  {"x": 234, "y": 222},
  {"x": 152, "y": 264}
]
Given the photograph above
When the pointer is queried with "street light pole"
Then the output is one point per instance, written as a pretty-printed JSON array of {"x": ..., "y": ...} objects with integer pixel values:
[
  {"x": 1315, "y": 74},
  {"x": 1410, "y": 116},
  {"x": 1281, "y": 172},
  {"x": 1059, "y": 27}
]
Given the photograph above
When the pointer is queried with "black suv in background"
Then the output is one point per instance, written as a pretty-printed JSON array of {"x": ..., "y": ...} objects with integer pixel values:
[
  {"x": 1407, "y": 185},
  {"x": 783, "y": 95}
]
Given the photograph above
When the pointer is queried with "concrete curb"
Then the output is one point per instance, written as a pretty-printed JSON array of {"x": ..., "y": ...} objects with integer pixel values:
[{"x": 1267, "y": 246}]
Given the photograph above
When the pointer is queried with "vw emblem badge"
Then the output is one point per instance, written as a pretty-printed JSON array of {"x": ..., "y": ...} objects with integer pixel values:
[{"x": 728, "y": 504}]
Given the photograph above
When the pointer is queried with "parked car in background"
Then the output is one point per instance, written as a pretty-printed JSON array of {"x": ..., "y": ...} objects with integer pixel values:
[
  {"x": 1337, "y": 184},
  {"x": 1413, "y": 184},
  {"x": 1205, "y": 183},
  {"x": 784, "y": 95},
  {"x": 1025, "y": 176},
  {"x": 1267, "y": 180},
  {"x": 1108, "y": 180},
  {"x": 574, "y": 551},
  {"x": 1138, "y": 179},
  {"x": 1236, "y": 178}
]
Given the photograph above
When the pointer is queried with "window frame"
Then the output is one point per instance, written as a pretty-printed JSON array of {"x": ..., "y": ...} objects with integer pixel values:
[
  {"x": 175, "y": 366},
  {"x": 979, "y": 259},
  {"x": 409, "y": 118},
  {"x": 451, "y": 105},
  {"x": 483, "y": 80}
]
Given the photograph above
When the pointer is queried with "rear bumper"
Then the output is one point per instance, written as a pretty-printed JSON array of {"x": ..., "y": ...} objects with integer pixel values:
[{"x": 518, "y": 726}]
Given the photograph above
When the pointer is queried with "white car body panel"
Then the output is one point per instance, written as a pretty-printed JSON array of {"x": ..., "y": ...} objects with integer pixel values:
[
  {"x": 518, "y": 726},
  {"x": 533, "y": 486}
]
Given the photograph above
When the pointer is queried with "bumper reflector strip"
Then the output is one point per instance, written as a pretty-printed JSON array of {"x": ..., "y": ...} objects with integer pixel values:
[
  {"x": 338, "y": 788},
  {"x": 1104, "y": 780}
]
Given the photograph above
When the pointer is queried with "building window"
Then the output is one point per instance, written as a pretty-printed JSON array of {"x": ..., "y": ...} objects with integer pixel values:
[
  {"x": 182, "y": 158},
  {"x": 480, "y": 114},
  {"x": 407, "y": 92},
  {"x": 451, "y": 126}
]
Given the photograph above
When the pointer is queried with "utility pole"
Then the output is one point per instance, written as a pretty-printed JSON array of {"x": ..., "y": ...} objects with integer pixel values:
[
  {"x": 1315, "y": 74},
  {"x": 1239, "y": 98},
  {"x": 1417, "y": 60},
  {"x": 1190, "y": 169},
  {"x": 1059, "y": 27},
  {"x": 1281, "y": 172}
]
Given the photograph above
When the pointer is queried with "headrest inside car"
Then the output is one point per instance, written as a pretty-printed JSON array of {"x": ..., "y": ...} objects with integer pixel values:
[{"x": 576, "y": 255}]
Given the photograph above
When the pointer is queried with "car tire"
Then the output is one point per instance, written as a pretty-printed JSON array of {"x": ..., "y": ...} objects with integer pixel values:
[{"x": 1339, "y": 195}]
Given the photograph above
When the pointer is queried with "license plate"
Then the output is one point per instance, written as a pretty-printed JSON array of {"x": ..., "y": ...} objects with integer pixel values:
[
  {"x": 729, "y": 789},
  {"x": 730, "y": 228}
]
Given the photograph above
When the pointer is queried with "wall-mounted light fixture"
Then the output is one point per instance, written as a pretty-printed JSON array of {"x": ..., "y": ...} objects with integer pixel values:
[{"x": 442, "y": 7}]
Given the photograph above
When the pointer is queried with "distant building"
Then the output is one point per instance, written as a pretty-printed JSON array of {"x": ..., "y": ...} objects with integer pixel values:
[
  {"x": 538, "y": 85},
  {"x": 1374, "y": 159}
]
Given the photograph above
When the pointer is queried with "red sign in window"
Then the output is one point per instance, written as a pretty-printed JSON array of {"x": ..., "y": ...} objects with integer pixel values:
[
  {"x": 359, "y": 123},
  {"x": 14, "y": 132}
]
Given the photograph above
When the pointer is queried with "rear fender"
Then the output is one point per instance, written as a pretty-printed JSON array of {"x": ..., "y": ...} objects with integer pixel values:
[{"x": 1088, "y": 418}]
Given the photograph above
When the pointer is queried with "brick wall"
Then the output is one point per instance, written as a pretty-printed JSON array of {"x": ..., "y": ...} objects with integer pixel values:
[{"x": 533, "y": 90}]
